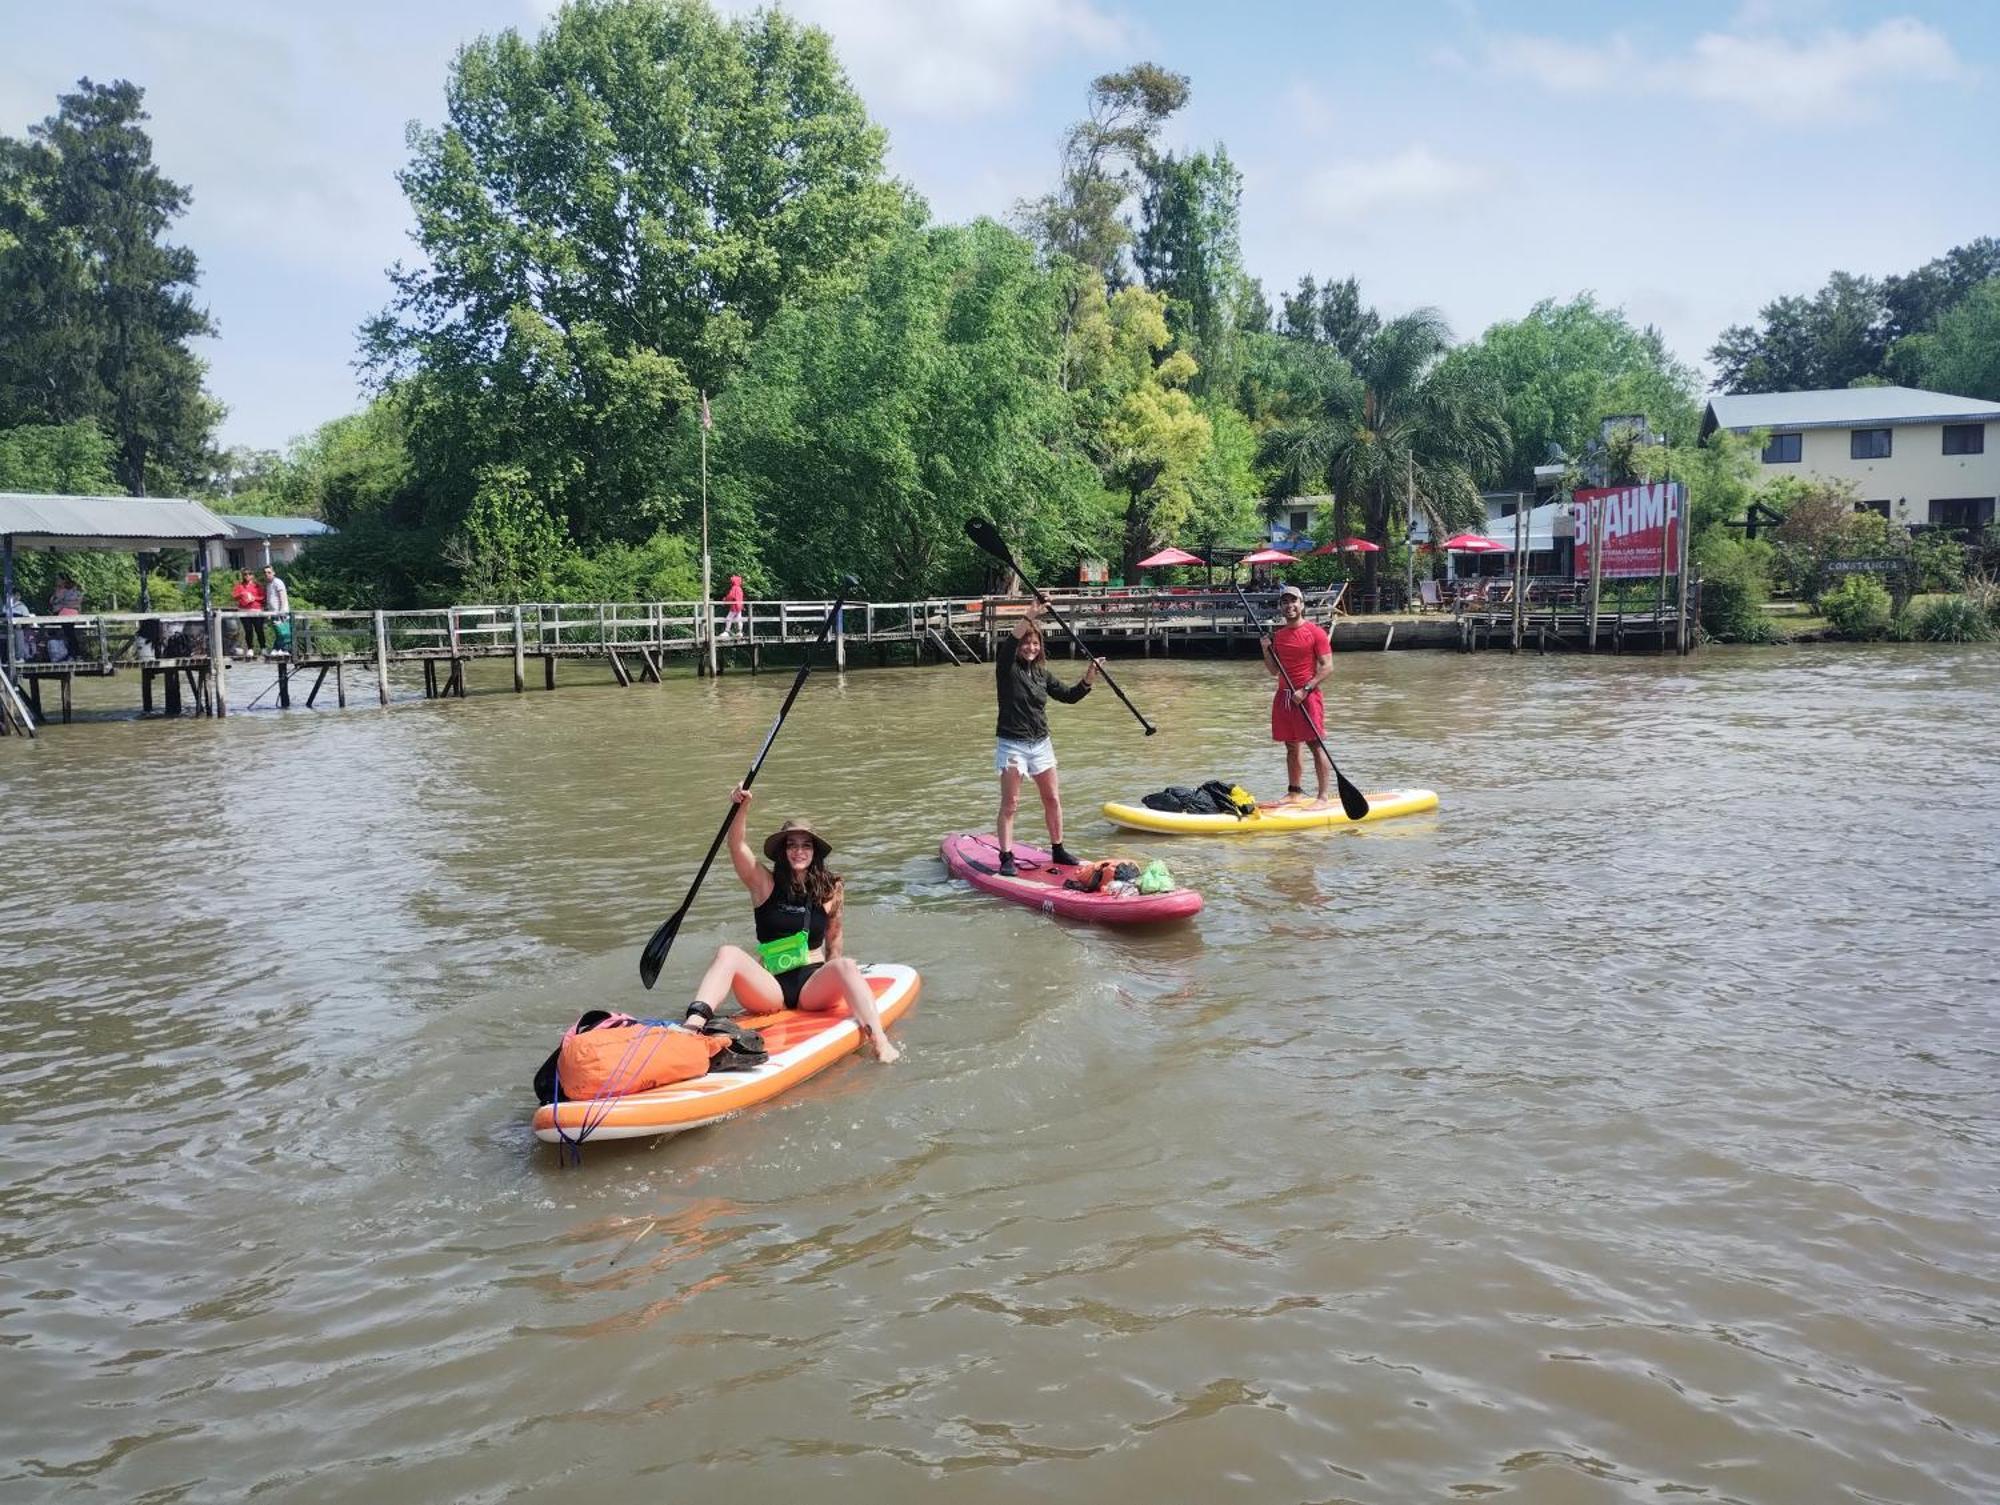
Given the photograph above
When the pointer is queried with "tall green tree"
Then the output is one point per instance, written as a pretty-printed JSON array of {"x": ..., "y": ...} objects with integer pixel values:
[
  {"x": 610, "y": 215},
  {"x": 1960, "y": 353},
  {"x": 1402, "y": 422},
  {"x": 1835, "y": 338},
  {"x": 1105, "y": 156},
  {"x": 1565, "y": 368},
  {"x": 1917, "y": 300},
  {"x": 1189, "y": 250},
  {"x": 1141, "y": 426},
  {"x": 96, "y": 309},
  {"x": 868, "y": 427},
  {"x": 1330, "y": 314}
]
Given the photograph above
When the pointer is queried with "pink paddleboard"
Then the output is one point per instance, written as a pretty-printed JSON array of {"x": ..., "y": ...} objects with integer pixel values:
[{"x": 976, "y": 859}]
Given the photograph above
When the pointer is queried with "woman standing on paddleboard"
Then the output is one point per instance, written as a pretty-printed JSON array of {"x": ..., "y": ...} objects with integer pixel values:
[
  {"x": 1023, "y": 747},
  {"x": 797, "y": 964},
  {"x": 1298, "y": 714}
]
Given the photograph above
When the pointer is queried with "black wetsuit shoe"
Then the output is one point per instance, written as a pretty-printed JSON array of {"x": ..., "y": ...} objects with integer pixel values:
[
  {"x": 1007, "y": 868},
  {"x": 1061, "y": 856}
]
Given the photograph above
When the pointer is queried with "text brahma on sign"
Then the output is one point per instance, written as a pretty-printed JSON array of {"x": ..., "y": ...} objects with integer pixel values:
[{"x": 1641, "y": 529}]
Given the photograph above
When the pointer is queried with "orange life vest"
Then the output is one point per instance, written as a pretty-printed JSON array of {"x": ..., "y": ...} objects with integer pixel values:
[{"x": 625, "y": 1055}]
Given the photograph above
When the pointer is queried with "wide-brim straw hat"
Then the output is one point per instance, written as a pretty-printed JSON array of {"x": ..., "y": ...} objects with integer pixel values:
[{"x": 775, "y": 842}]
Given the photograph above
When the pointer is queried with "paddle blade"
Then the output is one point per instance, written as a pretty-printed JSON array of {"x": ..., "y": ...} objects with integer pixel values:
[
  {"x": 983, "y": 533},
  {"x": 655, "y": 954},
  {"x": 1352, "y": 800}
]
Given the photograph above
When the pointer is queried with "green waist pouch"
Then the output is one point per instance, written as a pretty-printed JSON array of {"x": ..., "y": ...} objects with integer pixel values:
[{"x": 785, "y": 953}]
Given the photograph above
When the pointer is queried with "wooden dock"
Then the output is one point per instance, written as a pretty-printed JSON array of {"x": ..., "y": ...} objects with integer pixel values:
[{"x": 347, "y": 654}]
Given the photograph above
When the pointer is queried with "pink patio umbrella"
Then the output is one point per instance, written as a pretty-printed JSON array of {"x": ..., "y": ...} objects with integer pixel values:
[
  {"x": 1349, "y": 546},
  {"x": 1269, "y": 556},
  {"x": 1473, "y": 543},
  {"x": 1169, "y": 556}
]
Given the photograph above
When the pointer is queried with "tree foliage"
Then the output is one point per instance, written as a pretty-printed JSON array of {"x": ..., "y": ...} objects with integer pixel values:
[
  {"x": 1960, "y": 352},
  {"x": 609, "y": 217},
  {"x": 1330, "y": 314},
  {"x": 1851, "y": 331},
  {"x": 1189, "y": 251},
  {"x": 1402, "y": 423},
  {"x": 870, "y": 426},
  {"x": 1105, "y": 156},
  {"x": 1567, "y": 367},
  {"x": 96, "y": 309}
]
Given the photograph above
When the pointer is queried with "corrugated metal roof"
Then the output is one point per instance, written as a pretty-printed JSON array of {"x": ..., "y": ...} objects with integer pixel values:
[
  {"x": 105, "y": 522},
  {"x": 246, "y": 526},
  {"x": 1843, "y": 407}
]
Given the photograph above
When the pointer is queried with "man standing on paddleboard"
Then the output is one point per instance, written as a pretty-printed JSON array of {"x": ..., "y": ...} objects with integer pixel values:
[
  {"x": 1298, "y": 715},
  {"x": 1023, "y": 746}
]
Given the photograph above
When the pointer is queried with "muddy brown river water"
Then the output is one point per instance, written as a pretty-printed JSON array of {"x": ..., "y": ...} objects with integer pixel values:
[{"x": 1625, "y": 1130}]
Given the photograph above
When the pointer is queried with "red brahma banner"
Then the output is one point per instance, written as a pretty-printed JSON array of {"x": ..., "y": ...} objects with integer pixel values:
[{"x": 1634, "y": 519}]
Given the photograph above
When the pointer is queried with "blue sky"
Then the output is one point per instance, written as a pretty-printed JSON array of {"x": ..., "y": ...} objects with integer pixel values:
[{"x": 1686, "y": 161}]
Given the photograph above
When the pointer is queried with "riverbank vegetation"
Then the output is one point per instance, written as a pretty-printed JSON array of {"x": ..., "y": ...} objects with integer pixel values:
[{"x": 655, "y": 244}]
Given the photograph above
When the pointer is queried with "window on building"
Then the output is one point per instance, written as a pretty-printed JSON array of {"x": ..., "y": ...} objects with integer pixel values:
[
  {"x": 235, "y": 558},
  {"x": 1965, "y": 438},
  {"x": 1961, "y": 511},
  {"x": 1881, "y": 508},
  {"x": 1301, "y": 522},
  {"x": 1868, "y": 444},
  {"x": 1784, "y": 449}
]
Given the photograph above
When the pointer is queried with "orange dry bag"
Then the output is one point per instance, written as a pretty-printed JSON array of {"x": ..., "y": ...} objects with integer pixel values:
[{"x": 624, "y": 1055}]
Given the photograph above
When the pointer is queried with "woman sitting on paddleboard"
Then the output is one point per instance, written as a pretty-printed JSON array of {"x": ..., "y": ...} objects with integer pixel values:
[
  {"x": 797, "y": 964},
  {"x": 1024, "y": 681}
]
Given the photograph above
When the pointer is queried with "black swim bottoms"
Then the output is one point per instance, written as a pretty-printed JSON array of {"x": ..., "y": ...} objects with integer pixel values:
[{"x": 793, "y": 983}]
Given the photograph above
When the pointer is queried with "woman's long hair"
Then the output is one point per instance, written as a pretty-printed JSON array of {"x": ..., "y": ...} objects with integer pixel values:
[{"x": 816, "y": 885}]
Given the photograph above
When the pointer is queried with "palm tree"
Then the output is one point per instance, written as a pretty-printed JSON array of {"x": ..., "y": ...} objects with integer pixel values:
[{"x": 1403, "y": 424}]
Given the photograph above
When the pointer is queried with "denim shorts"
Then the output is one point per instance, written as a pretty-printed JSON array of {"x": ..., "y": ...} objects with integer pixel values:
[{"x": 1030, "y": 757}]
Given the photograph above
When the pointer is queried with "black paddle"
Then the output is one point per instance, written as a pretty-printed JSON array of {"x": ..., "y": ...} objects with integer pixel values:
[
  {"x": 983, "y": 533},
  {"x": 651, "y": 959},
  {"x": 1352, "y": 800}
]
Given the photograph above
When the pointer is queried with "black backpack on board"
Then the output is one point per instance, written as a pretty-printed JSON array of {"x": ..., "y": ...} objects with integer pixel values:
[{"x": 1211, "y": 798}]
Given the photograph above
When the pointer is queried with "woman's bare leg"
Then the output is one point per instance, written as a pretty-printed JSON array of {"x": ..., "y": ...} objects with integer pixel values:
[
  {"x": 1010, "y": 801},
  {"x": 841, "y": 978},
  {"x": 1045, "y": 781},
  {"x": 735, "y": 970}
]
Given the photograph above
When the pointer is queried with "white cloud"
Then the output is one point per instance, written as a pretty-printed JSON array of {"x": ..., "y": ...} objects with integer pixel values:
[
  {"x": 957, "y": 58},
  {"x": 1759, "y": 67},
  {"x": 1824, "y": 75},
  {"x": 1414, "y": 175}
]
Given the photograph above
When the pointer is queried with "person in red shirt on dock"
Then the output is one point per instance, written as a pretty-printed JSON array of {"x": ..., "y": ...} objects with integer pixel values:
[
  {"x": 1298, "y": 714},
  {"x": 249, "y": 598},
  {"x": 733, "y": 598}
]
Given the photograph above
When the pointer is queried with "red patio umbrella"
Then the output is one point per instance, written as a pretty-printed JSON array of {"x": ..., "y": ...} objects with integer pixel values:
[
  {"x": 1269, "y": 556},
  {"x": 1473, "y": 543},
  {"x": 1168, "y": 556},
  {"x": 1349, "y": 546}
]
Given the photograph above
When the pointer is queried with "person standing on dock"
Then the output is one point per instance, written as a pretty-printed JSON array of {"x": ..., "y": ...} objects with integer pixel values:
[
  {"x": 733, "y": 599},
  {"x": 1298, "y": 714},
  {"x": 1023, "y": 747},
  {"x": 249, "y": 599},
  {"x": 66, "y": 600},
  {"x": 278, "y": 602}
]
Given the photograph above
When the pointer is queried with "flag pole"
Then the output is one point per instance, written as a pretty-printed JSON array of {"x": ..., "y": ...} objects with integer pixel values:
[{"x": 707, "y": 580}]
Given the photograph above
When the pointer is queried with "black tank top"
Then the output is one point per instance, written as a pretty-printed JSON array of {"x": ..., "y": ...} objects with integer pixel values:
[{"x": 779, "y": 916}]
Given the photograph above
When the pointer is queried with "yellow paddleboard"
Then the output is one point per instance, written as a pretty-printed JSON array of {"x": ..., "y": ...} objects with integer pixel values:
[{"x": 1382, "y": 806}]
